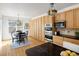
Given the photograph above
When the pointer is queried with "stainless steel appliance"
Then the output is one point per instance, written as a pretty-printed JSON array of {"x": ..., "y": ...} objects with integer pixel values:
[
  {"x": 60, "y": 24},
  {"x": 48, "y": 32}
]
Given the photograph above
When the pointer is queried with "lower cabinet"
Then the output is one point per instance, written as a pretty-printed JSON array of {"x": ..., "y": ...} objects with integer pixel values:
[
  {"x": 71, "y": 46},
  {"x": 58, "y": 40},
  {"x": 73, "y": 41}
]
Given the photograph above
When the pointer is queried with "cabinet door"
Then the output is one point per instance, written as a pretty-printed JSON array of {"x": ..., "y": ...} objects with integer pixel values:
[
  {"x": 43, "y": 25},
  {"x": 40, "y": 29},
  {"x": 76, "y": 18},
  {"x": 57, "y": 17},
  {"x": 50, "y": 19},
  {"x": 46, "y": 19},
  {"x": 58, "y": 40},
  {"x": 69, "y": 19},
  {"x": 35, "y": 34},
  {"x": 31, "y": 28},
  {"x": 37, "y": 29},
  {"x": 74, "y": 41},
  {"x": 62, "y": 16},
  {"x": 34, "y": 28}
]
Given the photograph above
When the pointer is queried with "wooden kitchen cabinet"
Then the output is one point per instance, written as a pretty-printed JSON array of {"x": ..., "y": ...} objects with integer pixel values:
[
  {"x": 31, "y": 28},
  {"x": 40, "y": 28},
  {"x": 76, "y": 18},
  {"x": 74, "y": 41},
  {"x": 62, "y": 16},
  {"x": 36, "y": 27},
  {"x": 70, "y": 19},
  {"x": 58, "y": 40},
  {"x": 46, "y": 21},
  {"x": 57, "y": 17},
  {"x": 43, "y": 25},
  {"x": 49, "y": 19}
]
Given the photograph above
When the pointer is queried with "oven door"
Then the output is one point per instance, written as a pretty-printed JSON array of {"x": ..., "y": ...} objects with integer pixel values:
[
  {"x": 48, "y": 28},
  {"x": 50, "y": 33},
  {"x": 48, "y": 37}
]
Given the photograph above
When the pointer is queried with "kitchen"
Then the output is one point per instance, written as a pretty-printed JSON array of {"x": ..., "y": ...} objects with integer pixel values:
[
  {"x": 54, "y": 33},
  {"x": 65, "y": 28}
]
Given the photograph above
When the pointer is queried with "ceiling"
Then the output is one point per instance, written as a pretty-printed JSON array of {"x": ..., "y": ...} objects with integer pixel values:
[{"x": 29, "y": 9}]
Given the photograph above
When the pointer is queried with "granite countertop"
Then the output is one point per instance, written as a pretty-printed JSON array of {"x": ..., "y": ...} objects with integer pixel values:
[
  {"x": 69, "y": 36},
  {"x": 46, "y": 49}
]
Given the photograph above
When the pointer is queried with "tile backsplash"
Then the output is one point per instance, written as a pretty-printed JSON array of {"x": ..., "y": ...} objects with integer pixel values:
[{"x": 69, "y": 31}]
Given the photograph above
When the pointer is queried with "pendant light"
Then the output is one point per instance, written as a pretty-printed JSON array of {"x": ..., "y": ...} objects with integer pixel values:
[{"x": 52, "y": 11}]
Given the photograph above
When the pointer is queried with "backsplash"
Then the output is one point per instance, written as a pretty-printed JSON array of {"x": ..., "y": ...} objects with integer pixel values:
[{"x": 69, "y": 31}]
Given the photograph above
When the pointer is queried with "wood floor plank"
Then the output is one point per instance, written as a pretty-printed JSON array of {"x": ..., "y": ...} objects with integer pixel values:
[{"x": 7, "y": 50}]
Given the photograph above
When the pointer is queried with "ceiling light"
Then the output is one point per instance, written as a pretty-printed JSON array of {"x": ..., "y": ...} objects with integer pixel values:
[{"x": 52, "y": 11}]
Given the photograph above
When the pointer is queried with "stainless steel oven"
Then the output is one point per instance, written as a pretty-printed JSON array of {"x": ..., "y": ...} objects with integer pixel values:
[{"x": 48, "y": 32}]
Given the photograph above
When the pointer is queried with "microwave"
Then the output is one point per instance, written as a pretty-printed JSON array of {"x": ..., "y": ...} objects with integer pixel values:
[{"x": 60, "y": 25}]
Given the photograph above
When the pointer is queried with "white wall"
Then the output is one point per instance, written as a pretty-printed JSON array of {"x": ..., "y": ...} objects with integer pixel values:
[
  {"x": 0, "y": 29},
  {"x": 5, "y": 28}
]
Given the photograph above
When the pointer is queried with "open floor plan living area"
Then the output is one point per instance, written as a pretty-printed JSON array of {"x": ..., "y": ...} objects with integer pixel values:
[{"x": 39, "y": 29}]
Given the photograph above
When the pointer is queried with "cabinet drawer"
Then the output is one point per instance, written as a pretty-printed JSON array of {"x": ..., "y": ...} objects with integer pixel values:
[
  {"x": 74, "y": 41},
  {"x": 58, "y": 40}
]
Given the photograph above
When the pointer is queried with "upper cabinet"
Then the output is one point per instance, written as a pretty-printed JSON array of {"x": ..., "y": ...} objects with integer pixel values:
[
  {"x": 45, "y": 19},
  {"x": 57, "y": 17},
  {"x": 76, "y": 17},
  {"x": 60, "y": 16},
  {"x": 49, "y": 19},
  {"x": 69, "y": 19}
]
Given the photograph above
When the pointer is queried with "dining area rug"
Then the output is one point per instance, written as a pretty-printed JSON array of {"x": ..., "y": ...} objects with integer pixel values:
[{"x": 17, "y": 45}]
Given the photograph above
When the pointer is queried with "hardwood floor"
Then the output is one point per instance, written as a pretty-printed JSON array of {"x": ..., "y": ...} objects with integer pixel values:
[{"x": 7, "y": 50}]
